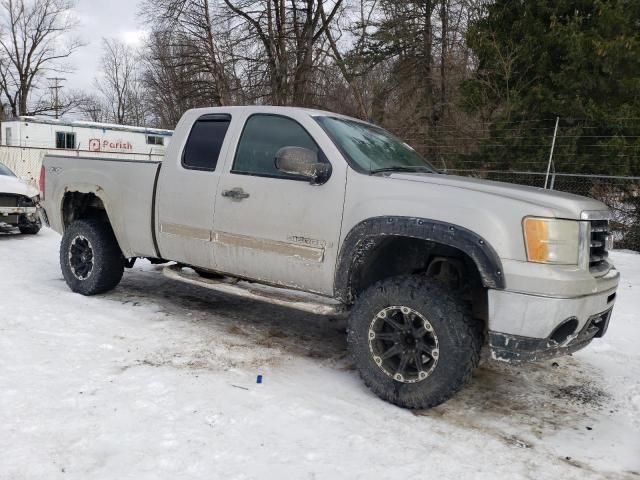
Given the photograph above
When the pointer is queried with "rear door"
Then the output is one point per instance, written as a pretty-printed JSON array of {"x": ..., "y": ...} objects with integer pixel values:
[
  {"x": 278, "y": 228},
  {"x": 186, "y": 192}
]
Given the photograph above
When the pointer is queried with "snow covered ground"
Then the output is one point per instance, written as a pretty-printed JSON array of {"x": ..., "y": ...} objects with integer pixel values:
[{"x": 158, "y": 380}]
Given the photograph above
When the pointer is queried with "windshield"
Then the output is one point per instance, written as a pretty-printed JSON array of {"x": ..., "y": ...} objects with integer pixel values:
[
  {"x": 5, "y": 171},
  {"x": 372, "y": 148}
]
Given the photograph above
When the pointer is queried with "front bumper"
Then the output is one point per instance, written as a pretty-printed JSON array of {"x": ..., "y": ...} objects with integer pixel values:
[
  {"x": 526, "y": 327},
  {"x": 15, "y": 215},
  {"x": 516, "y": 349},
  {"x": 8, "y": 211}
]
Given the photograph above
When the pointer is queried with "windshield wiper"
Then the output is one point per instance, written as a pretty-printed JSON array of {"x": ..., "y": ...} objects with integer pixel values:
[{"x": 416, "y": 168}]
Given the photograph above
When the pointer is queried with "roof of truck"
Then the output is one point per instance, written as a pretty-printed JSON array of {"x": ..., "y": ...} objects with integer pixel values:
[{"x": 270, "y": 109}]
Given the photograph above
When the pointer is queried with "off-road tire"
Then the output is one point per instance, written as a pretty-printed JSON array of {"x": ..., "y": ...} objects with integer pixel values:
[
  {"x": 459, "y": 337},
  {"x": 107, "y": 260}
]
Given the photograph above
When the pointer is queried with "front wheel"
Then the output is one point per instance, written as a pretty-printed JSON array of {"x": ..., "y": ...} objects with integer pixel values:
[
  {"x": 414, "y": 344},
  {"x": 90, "y": 257},
  {"x": 28, "y": 226}
]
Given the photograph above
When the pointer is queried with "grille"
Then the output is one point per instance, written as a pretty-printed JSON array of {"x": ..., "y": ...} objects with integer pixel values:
[
  {"x": 598, "y": 251},
  {"x": 8, "y": 201}
]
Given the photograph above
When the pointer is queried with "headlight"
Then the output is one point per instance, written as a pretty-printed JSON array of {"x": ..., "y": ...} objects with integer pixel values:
[{"x": 551, "y": 240}]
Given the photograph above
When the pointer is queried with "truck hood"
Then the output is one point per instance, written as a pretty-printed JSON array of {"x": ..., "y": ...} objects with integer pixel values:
[
  {"x": 15, "y": 186},
  {"x": 563, "y": 205}
]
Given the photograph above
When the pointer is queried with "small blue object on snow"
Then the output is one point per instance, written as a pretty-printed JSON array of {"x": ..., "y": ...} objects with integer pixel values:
[{"x": 259, "y": 379}]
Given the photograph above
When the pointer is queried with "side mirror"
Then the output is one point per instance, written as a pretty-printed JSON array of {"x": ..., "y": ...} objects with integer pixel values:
[{"x": 302, "y": 162}]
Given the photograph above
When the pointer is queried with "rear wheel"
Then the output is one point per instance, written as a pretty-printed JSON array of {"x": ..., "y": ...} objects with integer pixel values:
[
  {"x": 90, "y": 257},
  {"x": 414, "y": 344}
]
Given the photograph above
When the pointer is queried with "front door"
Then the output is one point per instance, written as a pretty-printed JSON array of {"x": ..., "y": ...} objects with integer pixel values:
[{"x": 271, "y": 226}]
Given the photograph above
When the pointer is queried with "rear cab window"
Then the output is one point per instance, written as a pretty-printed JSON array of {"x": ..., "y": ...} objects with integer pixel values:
[{"x": 202, "y": 150}]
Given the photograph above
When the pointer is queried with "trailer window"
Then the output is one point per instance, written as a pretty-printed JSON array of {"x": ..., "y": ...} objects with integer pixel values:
[
  {"x": 203, "y": 146},
  {"x": 155, "y": 140},
  {"x": 65, "y": 140}
]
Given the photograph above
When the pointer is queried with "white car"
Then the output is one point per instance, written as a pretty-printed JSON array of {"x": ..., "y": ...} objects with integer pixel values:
[{"x": 18, "y": 203}]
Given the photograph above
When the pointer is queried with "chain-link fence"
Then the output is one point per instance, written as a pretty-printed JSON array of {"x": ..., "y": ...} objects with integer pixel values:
[
  {"x": 598, "y": 158},
  {"x": 24, "y": 162},
  {"x": 621, "y": 194}
]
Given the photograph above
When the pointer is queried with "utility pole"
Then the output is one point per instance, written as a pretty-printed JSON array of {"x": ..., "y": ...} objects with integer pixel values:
[{"x": 56, "y": 95}]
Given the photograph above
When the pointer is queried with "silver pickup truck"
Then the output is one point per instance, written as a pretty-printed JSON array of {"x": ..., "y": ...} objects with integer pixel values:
[{"x": 329, "y": 214}]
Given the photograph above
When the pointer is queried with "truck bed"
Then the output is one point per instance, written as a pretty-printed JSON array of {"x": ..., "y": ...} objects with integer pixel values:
[{"x": 126, "y": 188}]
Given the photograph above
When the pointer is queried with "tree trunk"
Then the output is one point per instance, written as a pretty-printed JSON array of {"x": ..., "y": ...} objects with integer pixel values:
[
  {"x": 427, "y": 57},
  {"x": 444, "y": 18},
  {"x": 23, "y": 109}
]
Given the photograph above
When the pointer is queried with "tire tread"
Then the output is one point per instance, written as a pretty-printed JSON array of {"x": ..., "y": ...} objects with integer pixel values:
[
  {"x": 109, "y": 268},
  {"x": 458, "y": 313}
]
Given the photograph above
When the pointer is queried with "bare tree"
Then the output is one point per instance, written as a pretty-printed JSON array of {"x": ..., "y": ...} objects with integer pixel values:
[
  {"x": 120, "y": 84},
  {"x": 190, "y": 58},
  {"x": 49, "y": 104},
  {"x": 92, "y": 107},
  {"x": 173, "y": 82},
  {"x": 351, "y": 65},
  {"x": 203, "y": 49},
  {"x": 33, "y": 41},
  {"x": 288, "y": 33},
  {"x": 396, "y": 62}
]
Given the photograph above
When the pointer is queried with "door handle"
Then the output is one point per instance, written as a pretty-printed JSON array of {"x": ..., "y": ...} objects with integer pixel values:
[{"x": 235, "y": 194}]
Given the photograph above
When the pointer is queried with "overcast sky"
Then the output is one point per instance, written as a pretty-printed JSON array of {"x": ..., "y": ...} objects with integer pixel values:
[{"x": 100, "y": 18}]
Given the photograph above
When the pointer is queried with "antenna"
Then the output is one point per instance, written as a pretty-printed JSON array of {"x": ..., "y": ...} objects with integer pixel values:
[{"x": 56, "y": 89}]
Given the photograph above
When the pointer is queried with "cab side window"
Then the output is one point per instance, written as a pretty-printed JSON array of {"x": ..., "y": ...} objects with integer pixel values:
[
  {"x": 203, "y": 146},
  {"x": 262, "y": 137}
]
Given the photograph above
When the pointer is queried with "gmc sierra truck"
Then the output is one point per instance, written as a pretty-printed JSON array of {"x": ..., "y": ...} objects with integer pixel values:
[{"x": 329, "y": 214}]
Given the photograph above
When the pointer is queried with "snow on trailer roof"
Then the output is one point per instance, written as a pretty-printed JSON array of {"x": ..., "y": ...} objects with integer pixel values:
[{"x": 97, "y": 125}]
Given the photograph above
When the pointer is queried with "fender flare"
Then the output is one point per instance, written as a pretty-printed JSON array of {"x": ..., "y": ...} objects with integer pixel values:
[{"x": 363, "y": 237}]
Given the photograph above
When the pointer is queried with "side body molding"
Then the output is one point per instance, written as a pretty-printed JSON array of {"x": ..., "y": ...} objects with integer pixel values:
[{"x": 364, "y": 237}]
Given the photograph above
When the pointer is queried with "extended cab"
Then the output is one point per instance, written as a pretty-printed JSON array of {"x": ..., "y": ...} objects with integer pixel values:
[{"x": 330, "y": 214}]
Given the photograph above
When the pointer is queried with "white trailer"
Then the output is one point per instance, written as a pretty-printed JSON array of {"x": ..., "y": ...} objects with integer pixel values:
[
  {"x": 25, "y": 140},
  {"x": 37, "y": 132}
]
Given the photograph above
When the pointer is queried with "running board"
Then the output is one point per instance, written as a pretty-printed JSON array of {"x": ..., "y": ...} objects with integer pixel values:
[{"x": 307, "y": 302}]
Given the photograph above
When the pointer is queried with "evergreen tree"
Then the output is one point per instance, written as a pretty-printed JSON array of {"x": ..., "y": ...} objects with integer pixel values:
[{"x": 578, "y": 60}]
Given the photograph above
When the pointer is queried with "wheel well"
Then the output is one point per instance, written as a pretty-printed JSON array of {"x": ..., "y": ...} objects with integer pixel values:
[
  {"x": 77, "y": 205},
  {"x": 390, "y": 256}
]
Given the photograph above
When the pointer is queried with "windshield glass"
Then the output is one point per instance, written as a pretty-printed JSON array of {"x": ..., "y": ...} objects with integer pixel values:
[
  {"x": 5, "y": 171},
  {"x": 372, "y": 148}
]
